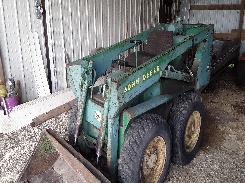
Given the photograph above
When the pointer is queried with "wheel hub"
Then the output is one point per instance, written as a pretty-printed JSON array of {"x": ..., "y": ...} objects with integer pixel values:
[
  {"x": 154, "y": 160},
  {"x": 192, "y": 131}
]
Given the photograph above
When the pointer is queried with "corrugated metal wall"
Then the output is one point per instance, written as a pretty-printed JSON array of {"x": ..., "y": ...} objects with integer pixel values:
[
  {"x": 19, "y": 43},
  {"x": 76, "y": 27},
  {"x": 168, "y": 10}
]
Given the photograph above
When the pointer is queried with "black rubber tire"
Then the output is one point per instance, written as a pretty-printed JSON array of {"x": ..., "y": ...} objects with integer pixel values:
[
  {"x": 241, "y": 73},
  {"x": 183, "y": 107},
  {"x": 138, "y": 136}
]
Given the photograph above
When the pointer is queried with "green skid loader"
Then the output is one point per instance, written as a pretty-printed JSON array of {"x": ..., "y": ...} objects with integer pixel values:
[{"x": 139, "y": 104}]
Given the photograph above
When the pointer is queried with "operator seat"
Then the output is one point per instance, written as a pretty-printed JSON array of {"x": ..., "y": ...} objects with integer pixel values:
[{"x": 157, "y": 42}]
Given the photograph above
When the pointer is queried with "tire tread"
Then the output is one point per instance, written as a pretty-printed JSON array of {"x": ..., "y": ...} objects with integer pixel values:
[{"x": 133, "y": 142}]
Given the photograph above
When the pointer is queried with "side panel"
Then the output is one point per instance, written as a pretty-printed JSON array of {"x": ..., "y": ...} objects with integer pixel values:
[
  {"x": 203, "y": 60},
  {"x": 93, "y": 113}
]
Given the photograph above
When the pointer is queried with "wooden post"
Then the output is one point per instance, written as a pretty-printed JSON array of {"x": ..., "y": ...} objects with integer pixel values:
[
  {"x": 241, "y": 19},
  {"x": 1, "y": 71}
]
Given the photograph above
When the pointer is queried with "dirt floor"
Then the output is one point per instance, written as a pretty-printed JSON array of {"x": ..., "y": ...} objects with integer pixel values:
[{"x": 222, "y": 157}]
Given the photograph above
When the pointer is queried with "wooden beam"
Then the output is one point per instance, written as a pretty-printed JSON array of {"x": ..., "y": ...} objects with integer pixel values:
[
  {"x": 235, "y": 34},
  {"x": 216, "y": 7},
  {"x": 53, "y": 113},
  {"x": 240, "y": 33},
  {"x": 90, "y": 173},
  {"x": 223, "y": 36}
]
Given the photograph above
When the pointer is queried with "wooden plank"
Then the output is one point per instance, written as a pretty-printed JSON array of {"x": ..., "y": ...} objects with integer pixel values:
[
  {"x": 1, "y": 71},
  {"x": 53, "y": 113},
  {"x": 216, "y": 7},
  {"x": 235, "y": 34},
  {"x": 240, "y": 34},
  {"x": 91, "y": 174},
  {"x": 225, "y": 36}
]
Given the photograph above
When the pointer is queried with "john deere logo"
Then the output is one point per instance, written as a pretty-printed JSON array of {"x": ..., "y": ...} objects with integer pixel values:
[{"x": 144, "y": 77}]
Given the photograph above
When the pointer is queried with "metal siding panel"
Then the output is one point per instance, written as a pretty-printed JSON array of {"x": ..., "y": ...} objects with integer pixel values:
[
  {"x": 59, "y": 28},
  {"x": 129, "y": 26},
  {"x": 124, "y": 21},
  {"x": 83, "y": 28},
  {"x": 94, "y": 24},
  {"x": 184, "y": 10},
  {"x": 4, "y": 51},
  {"x": 104, "y": 23},
  {"x": 87, "y": 27},
  {"x": 119, "y": 16},
  {"x": 98, "y": 22},
  {"x": 14, "y": 45},
  {"x": 111, "y": 21},
  {"x": 117, "y": 20},
  {"x": 72, "y": 28},
  {"x": 50, "y": 33},
  {"x": 37, "y": 68},
  {"x": 24, "y": 19},
  {"x": 79, "y": 34},
  {"x": 37, "y": 26},
  {"x": 18, "y": 22}
]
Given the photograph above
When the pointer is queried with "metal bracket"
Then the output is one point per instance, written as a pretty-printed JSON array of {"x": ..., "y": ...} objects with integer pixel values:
[
  {"x": 38, "y": 9},
  {"x": 172, "y": 73}
]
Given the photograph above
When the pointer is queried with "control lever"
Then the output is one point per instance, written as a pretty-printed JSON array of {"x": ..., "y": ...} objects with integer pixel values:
[{"x": 136, "y": 42}]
